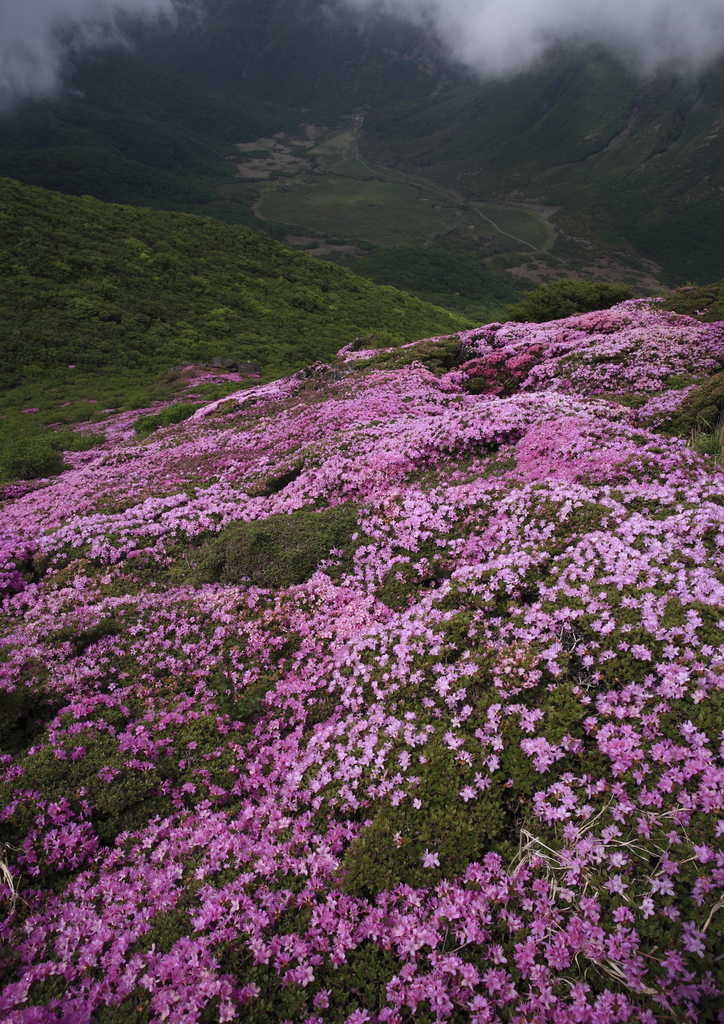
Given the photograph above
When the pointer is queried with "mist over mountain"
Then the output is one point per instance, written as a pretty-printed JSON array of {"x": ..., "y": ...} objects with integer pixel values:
[
  {"x": 495, "y": 37},
  {"x": 501, "y": 37},
  {"x": 38, "y": 36}
]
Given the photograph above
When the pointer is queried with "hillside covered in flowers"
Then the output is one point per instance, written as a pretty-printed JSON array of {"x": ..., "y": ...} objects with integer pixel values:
[{"x": 388, "y": 692}]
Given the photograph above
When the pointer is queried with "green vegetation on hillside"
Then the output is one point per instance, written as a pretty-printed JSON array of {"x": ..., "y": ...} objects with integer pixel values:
[
  {"x": 98, "y": 286},
  {"x": 27, "y": 451},
  {"x": 567, "y": 298},
  {"x": 520, "y": 229},
  {"x": 275, "y": 552},
  {"x": 705, "y": 302},
  {"x": 444, "y": 277},
  {"x": 99, "y": 300},
  {"x": 128, "y": 132}
]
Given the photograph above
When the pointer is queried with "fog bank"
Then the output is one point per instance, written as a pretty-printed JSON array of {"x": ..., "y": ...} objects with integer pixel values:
[
  {"x": 37, "y": 36},
  {"x": 498, "y": 37}
]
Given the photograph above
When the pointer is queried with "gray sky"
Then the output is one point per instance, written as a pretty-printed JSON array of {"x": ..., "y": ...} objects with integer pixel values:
[
  {"x": 36, "y": 36},
  {"x": 498, "y": 37}
]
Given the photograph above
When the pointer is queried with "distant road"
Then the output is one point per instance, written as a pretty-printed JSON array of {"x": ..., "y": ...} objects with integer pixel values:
[{"x": 429, "y": 188}]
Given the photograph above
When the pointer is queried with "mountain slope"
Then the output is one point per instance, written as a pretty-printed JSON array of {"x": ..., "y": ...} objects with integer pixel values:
[
  {"x": 634, "y": 166},
  {"x": 629, "y": 171},
  {"x": 126, "y": 130},
  {"x": 106, "y": 286},
  {"x": 309, "y": 54},
  {"x": 381, "y": 697}
]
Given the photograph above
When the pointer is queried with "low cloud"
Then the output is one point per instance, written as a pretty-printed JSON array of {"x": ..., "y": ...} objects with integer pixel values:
[
  {"x": 38, "y": 36},
  {"x": 498, "y": 37}
]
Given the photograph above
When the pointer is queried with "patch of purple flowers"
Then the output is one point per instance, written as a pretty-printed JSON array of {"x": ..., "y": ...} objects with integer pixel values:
[{"x": 556, "y": 639}]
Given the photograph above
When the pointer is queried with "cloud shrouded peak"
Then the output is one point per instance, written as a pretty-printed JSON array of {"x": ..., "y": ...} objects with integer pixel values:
[
  {"x": 37, "y": 36},
  {"x": 498, "y": 37}
]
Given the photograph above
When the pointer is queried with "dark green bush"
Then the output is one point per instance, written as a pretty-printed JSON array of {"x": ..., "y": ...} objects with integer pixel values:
[
  {"x": 28, "y": 458},
  {"x": 25, "y": 712},
  {"x": 701, "y": 411},
  {"x": 567, "y": 298},
  {"x": 705, "y": 302},
  {"x": 177, "y": 413},
  {"x": 32, "y": 451},
  {"x": 275, "y": 552},
  {"x": 438, "y": 356}
]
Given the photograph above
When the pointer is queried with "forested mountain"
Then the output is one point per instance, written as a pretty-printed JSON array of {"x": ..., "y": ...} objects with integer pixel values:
[
  {"x": 311, "y": 54},
  {"x": 126, "y": 131},
  {"x": 631, "y": 168}
]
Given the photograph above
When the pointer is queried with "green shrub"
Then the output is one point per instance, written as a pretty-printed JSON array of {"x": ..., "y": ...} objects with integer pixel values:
[
  {"x": 437, "y": 356},
  {"x": 177, "y": 413},
  {"x": 275, "y": 552},
  {"x": 30, "y": 457},
  {"x": 391, "y": 850},
  {"x": 705, "y": 302},
  {"x": 701, "y": 411},
  {"x": 567, "y": 298},
  {"x": 25, "y": 713},
  {"x": 30, "y": 450}
]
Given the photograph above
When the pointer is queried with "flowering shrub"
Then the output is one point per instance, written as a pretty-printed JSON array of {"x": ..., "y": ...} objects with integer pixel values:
[
  {"x": 630, "y": 348},
  {"x": 365, "y": 698}
]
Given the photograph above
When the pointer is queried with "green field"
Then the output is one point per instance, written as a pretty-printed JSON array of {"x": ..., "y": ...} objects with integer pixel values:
[
  {"x": 380, "y": 212},
  {"x": 352, "y": 168},
  {"x": 319, "y": 181},
  {"x": 520, "y": 224},
  {"x": 393, "y": 212}
]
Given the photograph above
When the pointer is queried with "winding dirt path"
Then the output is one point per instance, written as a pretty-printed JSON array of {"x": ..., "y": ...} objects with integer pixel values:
[{"x": 451, "y": 198}]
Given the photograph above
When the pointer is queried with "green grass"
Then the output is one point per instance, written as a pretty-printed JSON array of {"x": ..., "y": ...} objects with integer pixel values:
[
  {"x": 278, "y": 552},
  {"x": 380, "y": 212},
  {"x": 352, "y": 168},
  {"x": 354, "y": 198},
  {"x": 710, "y": 442},
  {"x": 525, "y": 226}
]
